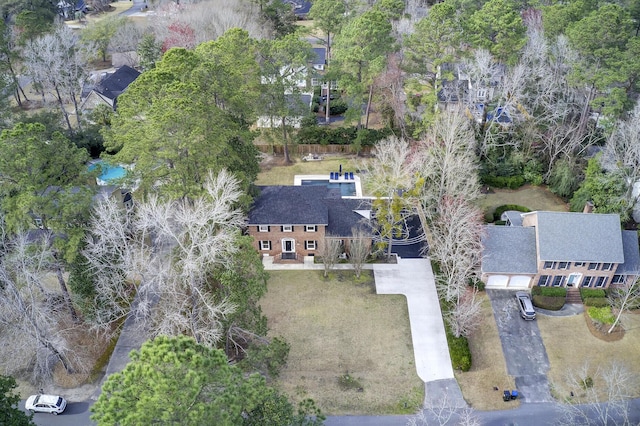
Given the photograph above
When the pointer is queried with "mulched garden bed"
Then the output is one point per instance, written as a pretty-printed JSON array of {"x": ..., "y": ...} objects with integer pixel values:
[{"x": 600, "y": 330}]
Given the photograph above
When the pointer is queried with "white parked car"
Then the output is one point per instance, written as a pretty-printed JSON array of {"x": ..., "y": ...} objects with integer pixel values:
[{"x": 40, "y": 403}]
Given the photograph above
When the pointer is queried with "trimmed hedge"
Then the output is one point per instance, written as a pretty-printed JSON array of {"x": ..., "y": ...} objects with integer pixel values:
[
  {"x": 549, "y": 291},
  {"x": 549, "y": 303},
  {"x": 324, "y": 135},
  {"x": 511, "y": 182},
  {"x": 501, "y": 209},
  {"x": 591, "y": 293},
  {"x": 598, "y": 302},
  {"x": 459, "y": 351}
]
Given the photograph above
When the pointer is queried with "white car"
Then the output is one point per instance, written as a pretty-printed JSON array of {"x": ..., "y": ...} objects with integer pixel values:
[{"x": 40, "y": 403}]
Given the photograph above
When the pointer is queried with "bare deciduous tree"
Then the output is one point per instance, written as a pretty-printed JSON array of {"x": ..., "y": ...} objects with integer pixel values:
[
  {"x": 442, "y": 412},
  {"x": 57, "y": 62},
  {"x": 190, "y": 238},
  {"x": 622, "y": 153},
  {"x": 624, "y": 298},
  {"x": 32, "y": 316},
  {"x": 331, "y": 251},
  {"x": 125, "y": 43},
  {"x": 359, "y": 249},
  {"x": 466, "y": 315},
  {"x": 600, "y": 395},
  {"x": 447, "y": 161}
]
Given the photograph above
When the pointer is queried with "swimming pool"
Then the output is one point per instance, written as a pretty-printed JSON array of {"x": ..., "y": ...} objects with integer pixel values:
[
  {"x": 347, "y": 189},
  {"x": 108, "y": 173}
]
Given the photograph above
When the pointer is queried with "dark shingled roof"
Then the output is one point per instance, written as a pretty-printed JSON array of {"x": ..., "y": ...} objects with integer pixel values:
[
  {"x": 290, "y": 205},
  {"x": 579, "y": 237},
  {"x": 631, "y": 265},
  {"x": 509, "y": 249},
  {"x": 319, "y": 56},
  {"x": 308, "y": 205},
  {"x": 343, "y": 215},
  {"x": 116, "y": 83},
  {"x": 514, "y": 217}
]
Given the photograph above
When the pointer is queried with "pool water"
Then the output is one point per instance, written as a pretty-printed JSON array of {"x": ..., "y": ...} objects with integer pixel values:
[
  {"x": 347, "y": 189},
  {"x": 108, "y": 173}
]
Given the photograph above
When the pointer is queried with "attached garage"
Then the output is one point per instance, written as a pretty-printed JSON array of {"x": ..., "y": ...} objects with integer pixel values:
[
  {"x": 497, "y": 281},
  {"x": 506, "y": 281}
]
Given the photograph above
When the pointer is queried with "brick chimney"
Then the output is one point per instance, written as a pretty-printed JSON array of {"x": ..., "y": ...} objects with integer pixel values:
[{"x": 588, "y": 207}]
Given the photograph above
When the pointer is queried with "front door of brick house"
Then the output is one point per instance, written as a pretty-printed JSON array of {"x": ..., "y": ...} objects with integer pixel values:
[{"x": 288, "y": 248}]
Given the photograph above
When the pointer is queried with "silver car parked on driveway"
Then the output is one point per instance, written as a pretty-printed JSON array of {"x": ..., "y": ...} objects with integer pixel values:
[{"x": 526, "y": 307}]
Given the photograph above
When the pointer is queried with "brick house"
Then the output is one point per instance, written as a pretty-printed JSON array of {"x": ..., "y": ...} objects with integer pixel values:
[
  {"x": 290, "y": 222},
  {"x": 559, "y": 249}
]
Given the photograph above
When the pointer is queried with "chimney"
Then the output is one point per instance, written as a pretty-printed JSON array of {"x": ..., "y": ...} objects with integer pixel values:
[{"x": 588, "y": 207}]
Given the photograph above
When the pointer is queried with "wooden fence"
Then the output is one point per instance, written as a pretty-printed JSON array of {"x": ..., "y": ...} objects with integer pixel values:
[{"x": 304, "y": 149}]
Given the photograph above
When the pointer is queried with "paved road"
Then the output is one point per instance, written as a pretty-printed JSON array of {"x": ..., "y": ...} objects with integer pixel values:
[{"x": 523, "y": 349}]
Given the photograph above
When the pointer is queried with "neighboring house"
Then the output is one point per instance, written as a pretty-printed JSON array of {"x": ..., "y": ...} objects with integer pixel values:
[
  {"x": 559, "y": 249},
  {"x": 290, "y": 222},
  {"x": 319, "y": 60},
  {"x": 109, "y": 88},
  {"x": 300, "y": 8},
  {"x": 299, "y": 106}
]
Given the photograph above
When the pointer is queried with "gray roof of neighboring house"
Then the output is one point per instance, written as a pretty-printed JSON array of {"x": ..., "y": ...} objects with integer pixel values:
[
  {"x": 579, "y": 237},
  {"x": 319, "y": 56},
  {"x": 116, "y": 83},
  {"x": 631, "y": 265},
  {"x": 509, "y": 249},
  {"x": 514, "y": 217},
  {"x": 290, "y": 205}
]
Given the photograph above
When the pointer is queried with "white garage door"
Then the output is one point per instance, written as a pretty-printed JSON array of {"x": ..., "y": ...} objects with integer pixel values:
[
  {"x": 497, "y": 281},
  {"x": 519, "y": 281}
]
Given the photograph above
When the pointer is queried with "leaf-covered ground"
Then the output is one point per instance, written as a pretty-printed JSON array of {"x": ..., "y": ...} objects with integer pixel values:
[{"x": 341, "y": 326}]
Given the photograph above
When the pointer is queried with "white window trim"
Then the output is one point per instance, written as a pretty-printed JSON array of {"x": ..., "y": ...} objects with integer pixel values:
[
  {"x": 287, "y": 228},
  {"x": 310, "y": 228},
  {"x": 263, "y": 228},
  {"x": 262, "y": 245},
  {"x": 578, "y": 264},
  {"x": 597, "y": 265},
  {"x": 607, "y": 266},
  {"x": 566, "y": 265},
  {"x": 310, "y": 245}
]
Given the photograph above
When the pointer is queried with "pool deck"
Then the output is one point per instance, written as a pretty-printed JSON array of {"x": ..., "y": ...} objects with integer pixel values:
[{"x": 297, "y": 181}]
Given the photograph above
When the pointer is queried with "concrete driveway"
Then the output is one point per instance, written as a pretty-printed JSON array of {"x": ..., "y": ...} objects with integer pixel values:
[{"x": 523, "y": 349}]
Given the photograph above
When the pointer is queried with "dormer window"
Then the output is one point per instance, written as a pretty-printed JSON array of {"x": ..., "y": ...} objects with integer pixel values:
[{"x": 287, "y": 228}]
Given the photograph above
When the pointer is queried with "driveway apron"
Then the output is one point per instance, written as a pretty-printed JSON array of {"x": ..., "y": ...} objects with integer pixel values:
[{"x": 523, "y": 349}]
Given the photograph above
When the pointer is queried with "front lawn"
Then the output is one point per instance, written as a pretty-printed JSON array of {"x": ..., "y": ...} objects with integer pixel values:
[
  {"x": 488, "y": 369},
  {"x": 570, "y": 345},
  {"x": 351, "y": 349}
]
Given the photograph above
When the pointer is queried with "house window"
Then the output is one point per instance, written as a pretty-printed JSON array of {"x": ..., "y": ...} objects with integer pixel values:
[
  {"x": 601, "y": 281},
  {"x": 263, "y": 228},
  {"x": 593, "y": 266},
  {"x": 287, "y": 228},
  {"x": 310, "y": 245},
  {"x": 265, "y": 245},
  {"x": 482, "y": 93},
  {"x": 310, "y": 228},
  {"x": 558, "y": 280},
  {"x": 586, "y": 282},
  {"x": 607, "y": 266},
  {"x": 544, "y": 280},
  {"x": 618, "y": 279},
  {"x": 549, "y": 265},
  {"x": 315, "y": 82},
  {"x": 578, "y": 264},
  {"x": 563, "y": 265}
]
